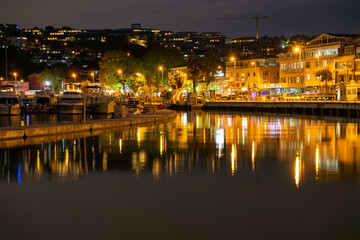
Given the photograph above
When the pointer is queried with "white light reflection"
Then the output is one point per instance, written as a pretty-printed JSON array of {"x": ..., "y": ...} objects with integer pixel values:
[{"x": 219, "y": 140}]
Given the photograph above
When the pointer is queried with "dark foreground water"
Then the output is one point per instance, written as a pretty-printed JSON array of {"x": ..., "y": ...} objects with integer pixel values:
[{"x": 201, "y": 176}]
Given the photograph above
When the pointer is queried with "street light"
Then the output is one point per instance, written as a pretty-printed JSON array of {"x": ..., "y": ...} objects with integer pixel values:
[
  {"x": 162, "y": 79},
  {"x": 15, "y": 74},
  {"x": 162, "y": 75},
  {"x": 298, "y": 50},
  {"x": 74, "y": 76},
  {"x": 93, "y": 76},
  {"x": 234, "y": 60}
]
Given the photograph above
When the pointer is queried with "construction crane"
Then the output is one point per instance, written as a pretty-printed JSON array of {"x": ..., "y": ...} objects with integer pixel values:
[{"x": 257, "y": 22}]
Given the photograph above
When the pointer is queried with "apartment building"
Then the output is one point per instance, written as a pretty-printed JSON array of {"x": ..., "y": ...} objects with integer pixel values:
[
  {"x": 336, "y": 52},
  {"x": 252, "y": 74}
]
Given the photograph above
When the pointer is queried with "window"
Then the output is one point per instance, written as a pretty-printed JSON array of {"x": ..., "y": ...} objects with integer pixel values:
[
  {"x": 307, "y": 77},
  {"x": 297, "y": 79},
  {"x": 266, "y": 73},
  {"x": 307, "y": 65},
  {"x": 283, "y": 80}
]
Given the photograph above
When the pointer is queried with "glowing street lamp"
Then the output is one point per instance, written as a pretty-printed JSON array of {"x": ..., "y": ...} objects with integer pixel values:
[
  {"x": 298, "y": 50},
  {"x": 162, "y": 75},
  {"x": 74, "y": 76},
  {"x": 93, "y": 76},
  {"x": 15, "y": 75},
  {"x": 233, "y": 59}
]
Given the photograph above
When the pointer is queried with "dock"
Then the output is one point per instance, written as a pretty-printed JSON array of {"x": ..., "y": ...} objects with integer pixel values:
[
  {"x": 345, "y": 109},
  {"x": 93, "y": 126}
]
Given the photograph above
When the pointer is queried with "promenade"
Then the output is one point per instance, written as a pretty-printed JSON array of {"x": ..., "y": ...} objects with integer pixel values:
[
  {"x": 89, "y": 128},
  {"x": 321, "y": 108}
]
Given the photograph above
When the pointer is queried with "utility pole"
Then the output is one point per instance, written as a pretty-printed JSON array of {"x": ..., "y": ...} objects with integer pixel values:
[{"x": 6, "y": 63}]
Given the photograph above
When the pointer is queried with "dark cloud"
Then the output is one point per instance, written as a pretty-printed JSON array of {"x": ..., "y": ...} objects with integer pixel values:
[{"x": 286, "y": 17}]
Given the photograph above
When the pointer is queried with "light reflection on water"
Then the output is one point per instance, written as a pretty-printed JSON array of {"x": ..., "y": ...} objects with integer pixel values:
[{"x": 198, "y": 143}]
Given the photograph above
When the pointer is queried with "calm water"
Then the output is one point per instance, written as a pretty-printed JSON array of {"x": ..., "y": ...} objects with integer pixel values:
[{"x": 201, "y": 176}]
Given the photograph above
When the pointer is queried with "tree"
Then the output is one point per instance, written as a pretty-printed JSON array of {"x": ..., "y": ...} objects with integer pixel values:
[
  {"x": 325, "y": 75},
  {"x": 209, "y": 66},
  {"x": 156, "y": 57},
  {"x": 195, "y": 70},
  {"x": 136, "y": 82},
  {"x": 54, "y": 76},
  {"x": 117, "y": 67},
  {"x": 177, "y": 80}
]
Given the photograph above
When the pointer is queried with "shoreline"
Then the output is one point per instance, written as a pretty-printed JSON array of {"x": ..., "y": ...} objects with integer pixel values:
[
  {"x": 44, "y": 130},
  {"x": 336, "y": 109}
]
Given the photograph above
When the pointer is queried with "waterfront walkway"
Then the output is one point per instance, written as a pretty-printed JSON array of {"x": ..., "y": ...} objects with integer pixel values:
[
  {"x": 90, "y": 127},
  {"x": 348, "y": 109}
]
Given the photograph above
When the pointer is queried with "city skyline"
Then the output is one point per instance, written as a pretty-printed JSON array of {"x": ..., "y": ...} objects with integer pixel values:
[{"x": 285, "y": 18}]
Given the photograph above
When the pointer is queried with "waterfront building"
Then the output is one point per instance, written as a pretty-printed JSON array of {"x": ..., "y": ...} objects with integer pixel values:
[
  {"x": 335, "y": 52},
  {"x": 252, "y": 75}
]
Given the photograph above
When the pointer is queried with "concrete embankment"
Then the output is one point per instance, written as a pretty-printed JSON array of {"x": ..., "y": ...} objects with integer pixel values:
[
  {"x": 8, "y": 133},
  {"x": 346, "y": 109}
]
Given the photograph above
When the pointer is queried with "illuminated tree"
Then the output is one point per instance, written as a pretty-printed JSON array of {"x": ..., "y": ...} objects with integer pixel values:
[
  {"x": 117, "y": 67},
  {"x": 54, "y": 76},
  {"x": 177, "y": 80},
  {"x": 325, "y": 75}
]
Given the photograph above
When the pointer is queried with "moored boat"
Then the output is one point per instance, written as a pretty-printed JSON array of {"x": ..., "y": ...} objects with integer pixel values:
[
  {"x": 98, "y": 102},
  {"x": 72, "y": 100},
  {"x": 9, "y": 101}
]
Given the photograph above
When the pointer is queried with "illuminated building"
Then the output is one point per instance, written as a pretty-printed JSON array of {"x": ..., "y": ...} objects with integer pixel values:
[{"x": 252, "y": 75}]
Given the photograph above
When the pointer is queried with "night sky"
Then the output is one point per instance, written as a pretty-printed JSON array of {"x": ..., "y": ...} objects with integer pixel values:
[{"x": 286, "y": 17}]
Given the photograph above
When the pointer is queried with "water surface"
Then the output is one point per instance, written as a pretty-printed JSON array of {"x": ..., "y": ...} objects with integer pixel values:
[{"x": 201, "y": 176}]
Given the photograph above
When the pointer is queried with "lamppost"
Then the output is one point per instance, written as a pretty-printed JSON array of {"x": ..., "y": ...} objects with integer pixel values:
[
  {"x": 234, "y": 60},
  {"x": 93, "y": 77},
  {"x": 74, "y": 76},
  {"x": 15, "y": 75},
  {"x": 298, "y": 50},
  {"x": 162, "y": 75}
]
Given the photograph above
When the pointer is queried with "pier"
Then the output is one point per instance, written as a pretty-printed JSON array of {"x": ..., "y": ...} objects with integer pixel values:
[
  {"x": 93, "y": 126},
  {"x": 344, "y": 109}
]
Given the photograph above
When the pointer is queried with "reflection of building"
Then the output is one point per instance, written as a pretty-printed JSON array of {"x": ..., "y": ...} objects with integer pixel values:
[{"x": 196, "y": 142}]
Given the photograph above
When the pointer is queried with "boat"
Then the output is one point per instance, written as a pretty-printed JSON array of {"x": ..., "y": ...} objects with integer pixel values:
[
  {"x": 98, "y": 102},
  {"x": 9, "y": 101},
  {"x": 72, "y": 100},
  {"x": 44, "y": 102}
]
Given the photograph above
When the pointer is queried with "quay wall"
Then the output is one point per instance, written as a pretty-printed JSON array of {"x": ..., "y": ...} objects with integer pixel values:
[
  {"x": 7, "y": 133},
  {"x": 345, "y": 109}
]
